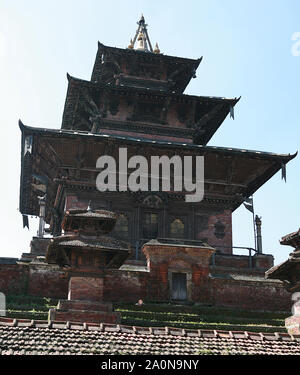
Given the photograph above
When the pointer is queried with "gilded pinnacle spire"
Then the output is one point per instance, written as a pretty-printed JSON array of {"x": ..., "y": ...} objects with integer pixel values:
[{"x": 142, "y": 38}]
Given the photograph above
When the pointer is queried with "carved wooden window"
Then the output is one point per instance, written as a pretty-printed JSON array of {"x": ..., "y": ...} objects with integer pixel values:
[
  {"x": 150, "y": 225},
  {"x": 122, "y": 227},
  {"x": 177, "y": 228}
]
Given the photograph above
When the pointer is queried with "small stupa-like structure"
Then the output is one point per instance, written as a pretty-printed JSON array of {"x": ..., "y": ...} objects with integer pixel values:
[{"x": 85, "y": 251}]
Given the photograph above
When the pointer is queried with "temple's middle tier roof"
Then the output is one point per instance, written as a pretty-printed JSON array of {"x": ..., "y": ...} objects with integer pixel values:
[{"x": 147, "y": 113}]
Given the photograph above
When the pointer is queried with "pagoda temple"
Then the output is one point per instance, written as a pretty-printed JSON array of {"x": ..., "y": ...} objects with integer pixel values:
[{"x": 135, "y": 100}]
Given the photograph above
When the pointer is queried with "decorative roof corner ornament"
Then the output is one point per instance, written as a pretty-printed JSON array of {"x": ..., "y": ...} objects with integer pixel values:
[
  {"x": 142, "y": 39},
  {"x": 232, "y": 112},
  {"x": 283, "y": 172},
  {"x": 130, "y": 44},
  {"x": 156, "y": 49},
  {"x": 42, "y": 215},
  {"x": 28, "y": 144},
  {"x": 25, "y": 221}
]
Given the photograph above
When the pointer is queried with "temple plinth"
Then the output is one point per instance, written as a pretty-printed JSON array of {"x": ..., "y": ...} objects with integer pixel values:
[
  {"x": 85, "y": 252},
  {"x": 289, "y": 273}
]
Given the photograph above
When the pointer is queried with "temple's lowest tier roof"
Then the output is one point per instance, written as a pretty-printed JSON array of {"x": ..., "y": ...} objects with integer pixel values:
[{"x": 231, "y": 175}]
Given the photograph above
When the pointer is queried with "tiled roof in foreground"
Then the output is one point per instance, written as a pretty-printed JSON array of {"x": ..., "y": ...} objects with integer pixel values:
[{"x": 21, "y": 336}]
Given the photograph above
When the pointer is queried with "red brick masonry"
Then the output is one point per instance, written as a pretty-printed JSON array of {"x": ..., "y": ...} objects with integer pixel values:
[
  {"x": 243, "y": 291},
  {"x": 83, "y": 304}
]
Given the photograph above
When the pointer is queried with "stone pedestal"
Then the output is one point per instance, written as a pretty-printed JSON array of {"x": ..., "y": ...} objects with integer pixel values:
[
  {"x": 84, "y": 311},
  {"x": 86, "y": 288},
  {"x": 292, "y": 324},
  {"x": 84, "y": 303},
  {"x": 263, "y": 261},
  {"x": 38, "y": 247}
]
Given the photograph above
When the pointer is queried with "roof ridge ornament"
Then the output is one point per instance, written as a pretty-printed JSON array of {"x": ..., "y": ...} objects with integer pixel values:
[
  {"x": 142, "y": 38},
  {"x": 156, "y": 49}
]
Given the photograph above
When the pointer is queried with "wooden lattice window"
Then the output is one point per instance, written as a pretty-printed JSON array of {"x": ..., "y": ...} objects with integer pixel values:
[{"x": 150, "y": 225}]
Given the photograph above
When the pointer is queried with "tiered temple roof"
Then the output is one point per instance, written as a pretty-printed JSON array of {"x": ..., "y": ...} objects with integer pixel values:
[{"x": 135, "y": 98}]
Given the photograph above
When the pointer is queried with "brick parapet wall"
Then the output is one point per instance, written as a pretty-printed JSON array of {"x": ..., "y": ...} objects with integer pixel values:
[
  {"x": 259, "y": 263},
  {"x": 47, "y": 281},
  {"x": 129, "y": 286},
  {"x": 33, "y": 280},
  {"x": 245, "y": 294},
  {"x": 13, "y": 279}
]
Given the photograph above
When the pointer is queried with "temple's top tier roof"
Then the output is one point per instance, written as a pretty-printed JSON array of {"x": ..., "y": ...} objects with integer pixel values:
[
  {"x": 139, "y": 91},
  {"x": 142, "y": 67}
]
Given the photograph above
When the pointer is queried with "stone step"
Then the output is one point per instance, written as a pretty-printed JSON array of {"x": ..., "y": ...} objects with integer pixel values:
[
  {"x": 84, "y": 305},
  {"x": 84, "y": 316}
]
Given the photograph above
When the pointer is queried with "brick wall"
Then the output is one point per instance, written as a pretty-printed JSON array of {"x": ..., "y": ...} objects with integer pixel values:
[
  {"x": 125, "y": 285},
  {"x": 253, "y": 295},
  {"x": 222, "y": 242},
  {"x": 129, "y": 286},
  {"x": 33, "y": 280},
  {"x": 47, "y": 282},
  {"x": 246, "y": 295},
  {"x": 13, "y": 279}
]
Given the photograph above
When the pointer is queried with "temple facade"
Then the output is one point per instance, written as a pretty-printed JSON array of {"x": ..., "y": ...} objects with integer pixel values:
[{"x": 180, "y": 250}]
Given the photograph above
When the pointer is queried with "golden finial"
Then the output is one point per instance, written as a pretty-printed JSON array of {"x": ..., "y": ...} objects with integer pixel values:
[
  {"x": 142, "y": 19},
  {"x": 142, "y": 37},
  {"x": 131, "y": 44},
  {"x": 156, "y": 49}
]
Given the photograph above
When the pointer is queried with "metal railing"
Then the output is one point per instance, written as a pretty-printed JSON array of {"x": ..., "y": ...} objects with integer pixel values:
[{"x": 249, "y": 249}]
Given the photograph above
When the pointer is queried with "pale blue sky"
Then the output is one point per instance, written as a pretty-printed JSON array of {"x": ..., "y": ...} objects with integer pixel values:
[{"x": 247, "y": 49}]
